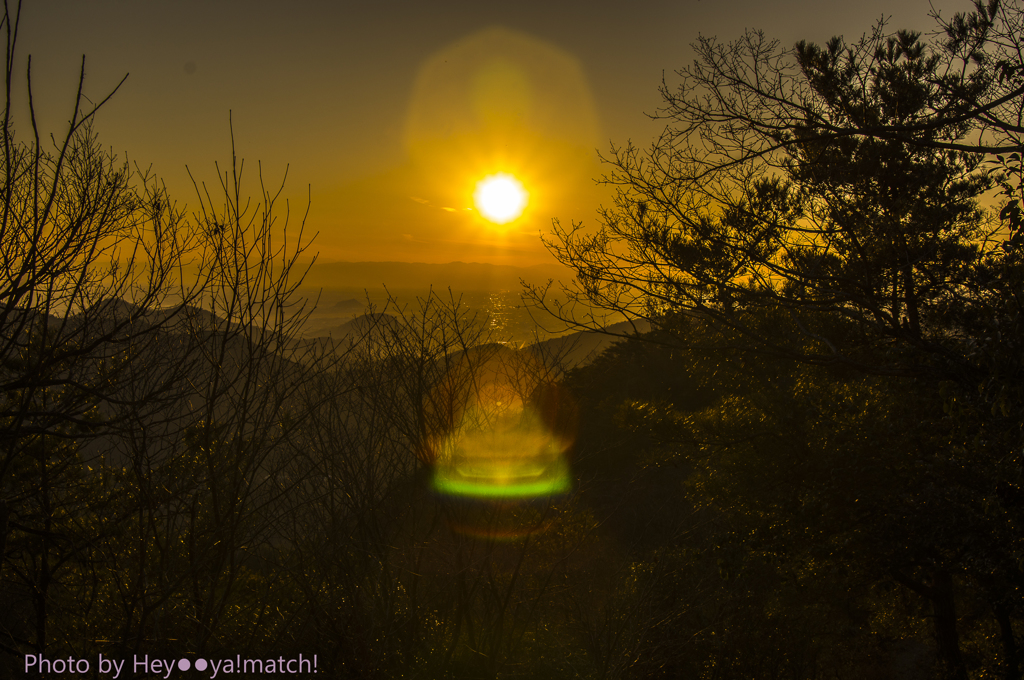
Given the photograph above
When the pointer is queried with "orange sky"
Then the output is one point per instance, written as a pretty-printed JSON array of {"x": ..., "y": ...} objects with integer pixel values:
[{"x": 388, "y": 116}]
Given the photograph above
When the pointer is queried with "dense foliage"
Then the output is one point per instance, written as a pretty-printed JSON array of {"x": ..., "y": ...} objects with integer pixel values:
[{"x": 813, "y": 225}]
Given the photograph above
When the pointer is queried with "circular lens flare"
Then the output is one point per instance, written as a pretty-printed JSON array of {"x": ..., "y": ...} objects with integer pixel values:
[
  {"x": 498, "y": 435},
  {"x": 500, "y": 198}
]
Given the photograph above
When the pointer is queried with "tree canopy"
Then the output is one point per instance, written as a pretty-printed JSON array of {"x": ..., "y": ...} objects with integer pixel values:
[
  {"x": 827, "y": 240},
  {"x": 839, "y": 186}
]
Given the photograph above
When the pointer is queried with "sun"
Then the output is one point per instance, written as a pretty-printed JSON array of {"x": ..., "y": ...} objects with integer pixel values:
[{"x": 500, "y": 198}]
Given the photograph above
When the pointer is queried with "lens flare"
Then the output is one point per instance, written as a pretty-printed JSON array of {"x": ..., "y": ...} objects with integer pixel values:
[
  {"x": 500, "y": 198},
  {"x": 503, "y": 445},
  {"x": 521, "y": 461}
]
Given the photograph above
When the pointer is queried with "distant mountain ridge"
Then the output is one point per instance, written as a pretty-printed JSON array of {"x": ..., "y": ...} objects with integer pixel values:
[{"x": 461, "y": 276}]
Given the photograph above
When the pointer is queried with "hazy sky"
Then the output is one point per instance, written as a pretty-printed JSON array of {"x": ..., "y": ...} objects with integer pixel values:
[{"x": 389, "y": 113}]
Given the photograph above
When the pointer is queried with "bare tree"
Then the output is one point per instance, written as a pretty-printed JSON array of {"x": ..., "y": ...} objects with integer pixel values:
[
  {"x": 92, "y": 262},
  {"x": 211, "y": 482}
]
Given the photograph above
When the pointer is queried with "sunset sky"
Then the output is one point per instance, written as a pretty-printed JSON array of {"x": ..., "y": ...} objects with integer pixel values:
[{"x": 390, "y": 114}]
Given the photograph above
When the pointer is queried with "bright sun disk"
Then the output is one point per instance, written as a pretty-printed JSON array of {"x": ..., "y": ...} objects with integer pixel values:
[{"x": 500, "y": 198}]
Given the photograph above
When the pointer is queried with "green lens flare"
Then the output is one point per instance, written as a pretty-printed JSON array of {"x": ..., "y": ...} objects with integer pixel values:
[
  {"x": 553, "y": 481},
  {"x": 500, "y": 455},
  {"x": 510, "y": 456}
]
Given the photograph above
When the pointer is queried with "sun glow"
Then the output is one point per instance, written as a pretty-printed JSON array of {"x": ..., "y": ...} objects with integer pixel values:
[{"x": 500, "y": 198}]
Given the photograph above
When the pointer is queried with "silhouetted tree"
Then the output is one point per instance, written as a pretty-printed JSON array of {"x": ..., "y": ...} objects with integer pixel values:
[
  {"x": 820, "y": 205},
  {"x": 92, "y": 254}
]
